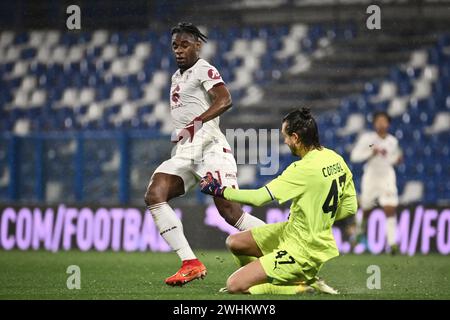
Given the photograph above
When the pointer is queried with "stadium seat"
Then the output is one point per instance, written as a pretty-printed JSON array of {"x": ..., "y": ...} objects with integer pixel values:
[
  {"x": 441, "y": 123},
  {"x": 355, "y": 123}
]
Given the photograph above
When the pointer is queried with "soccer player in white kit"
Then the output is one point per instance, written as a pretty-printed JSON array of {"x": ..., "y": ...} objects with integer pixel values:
[
  {"x": 380, "y": 150},
  {"x": 198, "y": 96}
]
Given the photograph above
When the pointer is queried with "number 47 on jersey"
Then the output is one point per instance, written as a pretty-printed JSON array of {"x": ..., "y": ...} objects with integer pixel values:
[{"x": 331, "y": 202}]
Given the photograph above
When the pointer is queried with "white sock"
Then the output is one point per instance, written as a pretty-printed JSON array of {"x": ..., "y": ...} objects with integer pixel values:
[
  {"x": 171, "y": 230},
  {"x": 247, "y": 221},
  {"x": 391, "y": 226}
]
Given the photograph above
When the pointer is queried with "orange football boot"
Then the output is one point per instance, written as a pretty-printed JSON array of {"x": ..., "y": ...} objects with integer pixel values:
[{"x": 190, "y": 270}]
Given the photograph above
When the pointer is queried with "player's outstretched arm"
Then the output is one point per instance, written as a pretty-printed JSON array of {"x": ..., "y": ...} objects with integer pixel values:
[
  {"x": 362, "y": 150},
  {"x": 253, "y": 197},
  {"x": 257, "y": 197}
]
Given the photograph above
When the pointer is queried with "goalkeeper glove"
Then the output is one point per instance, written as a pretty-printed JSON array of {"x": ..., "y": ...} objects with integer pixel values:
[{"x": 211, "y": 186}]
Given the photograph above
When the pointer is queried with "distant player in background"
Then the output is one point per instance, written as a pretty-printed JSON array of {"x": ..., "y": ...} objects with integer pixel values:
[
  {"x": 198, "y": 96},
  {"x": 285, "y": 257},
  {"x": 380, "y": 151}
]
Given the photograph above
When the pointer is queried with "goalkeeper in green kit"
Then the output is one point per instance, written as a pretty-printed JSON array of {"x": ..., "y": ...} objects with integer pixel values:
[{"x": 285, "y": 257}]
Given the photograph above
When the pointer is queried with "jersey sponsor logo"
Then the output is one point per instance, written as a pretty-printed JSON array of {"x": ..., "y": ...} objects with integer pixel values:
[
  {"x": 230, "y": 175},
  {"x": 213, "y": 74},
  {"x": 175, "y": 94}
]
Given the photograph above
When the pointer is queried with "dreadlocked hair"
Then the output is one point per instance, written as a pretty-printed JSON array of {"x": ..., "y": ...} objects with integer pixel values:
[
  {"x": 189, "y": 28},
  {"x": 302, "y": 122}
]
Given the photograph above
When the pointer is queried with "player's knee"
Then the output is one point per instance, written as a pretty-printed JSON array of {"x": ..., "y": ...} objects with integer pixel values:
[
  {"x": 154, "y": 196},
  {"x": 234, "y": 286},
  {"x": 229, "y": 243},
  {"x": 232, "y": 243}
]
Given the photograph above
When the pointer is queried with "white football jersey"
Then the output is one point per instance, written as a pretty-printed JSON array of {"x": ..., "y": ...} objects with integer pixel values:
[
  {"x": 382, "y": 162},
  {"x": 189, "y": 96}
]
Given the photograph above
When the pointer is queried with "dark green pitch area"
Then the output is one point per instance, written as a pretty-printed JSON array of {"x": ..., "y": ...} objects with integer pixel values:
[{"x": 113, "y": 275}]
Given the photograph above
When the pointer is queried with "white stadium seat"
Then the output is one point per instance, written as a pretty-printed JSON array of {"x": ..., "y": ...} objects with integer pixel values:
[
  {"x": 142, "y": 50},
  {"x": 75, "y": 53},
  {"x": 441, "y": 123},
  {"x": 161, "y": 111},
  {"x": 60, "y": 54},
  {"x": 134, "y": 65},
  {"x": 413, "y": 192},
  {"x": 69, "y": 98},
  {"x": 4, "y": 177},
  {"x": 209, "y": 50},
  {"x": 109, "y": 52},
  {"x": 52, "y": 38},
  {"x": 119, "y": 95},
  {"x": 6, "y": 38},
  {"x": 22, "y": 127},
  {"x": 398, "y": 106},
  {"x": 258, "y": 47},
  {"x": 38, "y": 98},
  {"x": 43, "y": 54},
  {"x": 99, "y": 38},
  {"x": 28, "y": 83},
  {"x": 94, "y": 112},
  {"x": 243, "y": 79},
  {"x": 388, "y": 90},
  {"x": 302, "y": 64},
  {"x": 152, "y": 94},
  {"x": 113, "y": 164},
  {"x": 87, "y": 95},
  {"x": 20, "y": 99},
  {"x": 418, "y": 59},
  {"x": 430, "y": 73},
  {"x": 240, "y": 49},
  {"x": 422, "y": 89},
  {"x": 12, "y": 53},
  {"x": 37, "y": 38},
  {"x": 254, "y": 94},
  {"x": 118, "y": 67},
  {"x": 160, "y": 79},
  {"x": 355, "y": 123}
]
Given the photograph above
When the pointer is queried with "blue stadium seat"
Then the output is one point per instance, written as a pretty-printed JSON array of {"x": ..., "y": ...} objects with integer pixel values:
[
  {"x": 28, "y": 53},
  {"x": 248, "y": 33},
  {"x": 21, "y": 38},
  {"x": 404, "y": 87}
]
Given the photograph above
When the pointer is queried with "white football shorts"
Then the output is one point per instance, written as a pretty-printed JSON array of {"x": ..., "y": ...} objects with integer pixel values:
[
  {"x": 378, "y": 187},
  {"x": 217, "y": 160}
]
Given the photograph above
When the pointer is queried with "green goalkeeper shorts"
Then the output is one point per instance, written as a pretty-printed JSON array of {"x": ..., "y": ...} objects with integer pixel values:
[{"x": 277, "y": 261}]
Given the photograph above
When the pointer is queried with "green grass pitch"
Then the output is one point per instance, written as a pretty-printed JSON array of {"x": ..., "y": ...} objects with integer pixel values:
[{"x": 112, "y": 275}]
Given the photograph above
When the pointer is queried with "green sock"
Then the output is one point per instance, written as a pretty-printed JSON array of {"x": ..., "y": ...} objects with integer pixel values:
[
  {"x": 268, "y": 288},
  {"x": 243, "y": 260}
]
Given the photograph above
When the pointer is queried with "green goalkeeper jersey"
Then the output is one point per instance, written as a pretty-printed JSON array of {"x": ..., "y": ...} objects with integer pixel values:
[{"x": 321, "y": 189}]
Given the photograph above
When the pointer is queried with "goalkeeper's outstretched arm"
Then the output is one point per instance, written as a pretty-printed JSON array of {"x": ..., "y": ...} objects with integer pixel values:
[{"x": 255, "y": 197}]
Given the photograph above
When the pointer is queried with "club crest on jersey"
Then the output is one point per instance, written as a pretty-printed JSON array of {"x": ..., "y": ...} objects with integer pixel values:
[{"x": 213, "y": 74}]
